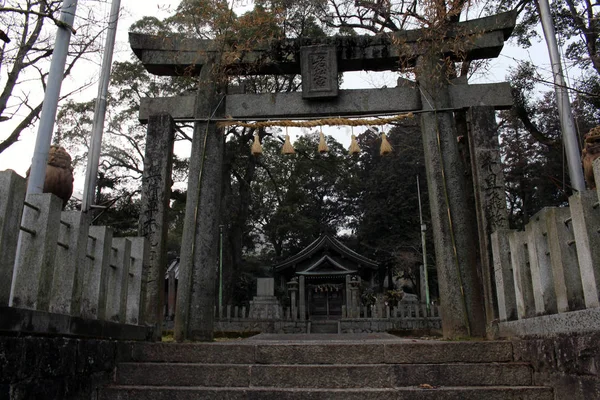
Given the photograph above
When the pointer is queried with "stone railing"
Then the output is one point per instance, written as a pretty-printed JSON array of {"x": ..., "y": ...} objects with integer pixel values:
[
  {"x": 406, "y": 317},
  {"x": 548, "y": 276},
  {"x": 62, "y": 276}
]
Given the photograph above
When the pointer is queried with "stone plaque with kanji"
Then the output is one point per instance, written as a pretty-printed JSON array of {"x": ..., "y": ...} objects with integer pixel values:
[{"x": 319, "y": 72}]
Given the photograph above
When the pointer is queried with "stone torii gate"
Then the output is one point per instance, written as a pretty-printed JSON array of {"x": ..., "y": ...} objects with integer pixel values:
[{"x": 463, "y": 262}]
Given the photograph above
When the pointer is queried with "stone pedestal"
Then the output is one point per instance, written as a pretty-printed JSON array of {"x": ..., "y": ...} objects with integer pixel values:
[{"x": 265, "y": 305}]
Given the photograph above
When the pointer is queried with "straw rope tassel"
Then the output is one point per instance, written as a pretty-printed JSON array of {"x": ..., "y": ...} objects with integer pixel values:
[
  {"x": 354, "y": 147},
  {"x": 323, "y": 148},
  {"x": 386, "y": 147},
  {"x": 287, "y": 146},
  {"x": 256, "y": 149}
]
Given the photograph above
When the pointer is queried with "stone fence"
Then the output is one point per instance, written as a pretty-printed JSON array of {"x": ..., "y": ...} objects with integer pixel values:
[
  {"x": 60, "y": 275},
  {"x": 548, "y": 276},
  {"x": 407, "y": 317}
]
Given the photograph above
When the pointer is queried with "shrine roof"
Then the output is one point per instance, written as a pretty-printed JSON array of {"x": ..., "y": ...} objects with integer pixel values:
[
  {"x": 317, "y": 268},
  {"x": 326, "y": 242}
]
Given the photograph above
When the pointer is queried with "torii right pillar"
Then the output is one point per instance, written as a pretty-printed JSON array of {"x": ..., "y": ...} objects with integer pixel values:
[{"x": 454, "y": 235}]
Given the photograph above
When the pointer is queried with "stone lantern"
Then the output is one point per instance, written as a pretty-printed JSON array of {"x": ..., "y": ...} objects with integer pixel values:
[
  {"x": 354, "y": 311},
  {"x": 293, "y": 290}
]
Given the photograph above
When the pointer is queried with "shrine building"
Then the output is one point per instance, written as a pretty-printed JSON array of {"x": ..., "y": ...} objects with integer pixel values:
[{"x": 325, "y": 273}]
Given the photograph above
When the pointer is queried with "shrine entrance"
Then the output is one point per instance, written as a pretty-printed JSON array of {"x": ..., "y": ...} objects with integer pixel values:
[
  {"x": 325, "y": 298},
  {"x": 465, "y": 208}
]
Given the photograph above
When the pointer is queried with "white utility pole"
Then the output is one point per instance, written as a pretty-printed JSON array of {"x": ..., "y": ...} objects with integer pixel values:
[
  {"x": 91, "y": 173},
  {"x": 565, "y": 113},
  {"x": 37, "y": 174}
]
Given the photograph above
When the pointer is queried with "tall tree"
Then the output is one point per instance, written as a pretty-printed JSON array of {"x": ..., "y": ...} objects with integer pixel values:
[
  {"x": 27, "y": 29},
  {"x": 533, "y": 154}
]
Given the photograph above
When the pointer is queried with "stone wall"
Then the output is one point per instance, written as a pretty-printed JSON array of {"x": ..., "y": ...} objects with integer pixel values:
[
  {"x": 548, "y": 289},
  {"x": 568, "y": 363},
  {"x": 36, "y": 368}
]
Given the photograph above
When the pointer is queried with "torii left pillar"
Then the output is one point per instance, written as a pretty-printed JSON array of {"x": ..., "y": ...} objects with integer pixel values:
[{"x": 153, "y": 225}]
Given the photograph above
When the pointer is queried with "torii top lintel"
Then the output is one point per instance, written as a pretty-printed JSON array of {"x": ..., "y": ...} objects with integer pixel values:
[{"x": 174, "y": 55}]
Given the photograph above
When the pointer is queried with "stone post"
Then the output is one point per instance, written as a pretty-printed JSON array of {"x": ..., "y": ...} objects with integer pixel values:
[
  {"x": 70, "y": 263},
  {"x": 293, "y": 289},
  {"x": 505, "y": 283},
  {"x": 521, "y": 274},
  {"x": 118, "y": 280},
  {"x": 93, "y": 296},
  {"x": 302, "y": 294},
  {"x": 348, "y": 299},
  {"x": 171, "y": 295},
  {"x": 12, "y": 194},
  {"x": 565, "y": 266},
  {"x": 539, "y": 264},
  {"x": 585, "y": 215},
  {"x": 34, "y": 264},
  {"x": 153, "y": 225},
  {"x": 136, "y": 289},
  {"x": 354, "y": 297},
  {"x": 454, "y": 237},
  {"x": 490, "y": 199}
]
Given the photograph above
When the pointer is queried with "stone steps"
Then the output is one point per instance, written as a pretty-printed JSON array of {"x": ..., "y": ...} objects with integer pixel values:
[
  {"x": 323, "y": 367},
  {"x": 254, "y": 393},
  {"x": 322, "y": 376},
  {"x": 324, "y": 327},
  {"x": 330, "y": 352}
]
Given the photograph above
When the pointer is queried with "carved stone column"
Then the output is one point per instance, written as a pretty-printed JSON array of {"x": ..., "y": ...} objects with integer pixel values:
[
  {"x": 490, "y": 199},
  {"x": 156, "y": 192}
]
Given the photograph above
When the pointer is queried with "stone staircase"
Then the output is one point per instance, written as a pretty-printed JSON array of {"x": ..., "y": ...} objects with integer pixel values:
[
  {"x": 325, "y": 369},
  {"x": 324, "y": 326}
]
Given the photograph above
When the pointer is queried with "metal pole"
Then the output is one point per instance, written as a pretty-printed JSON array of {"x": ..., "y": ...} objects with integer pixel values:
[
  {"x": 220, "y": 267},
  {"x": 562, "y": 98},
  {"x": 423, "y": 245},
  {"x": 91, "y": 173},
  {"x": 48, "y": 116}
]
